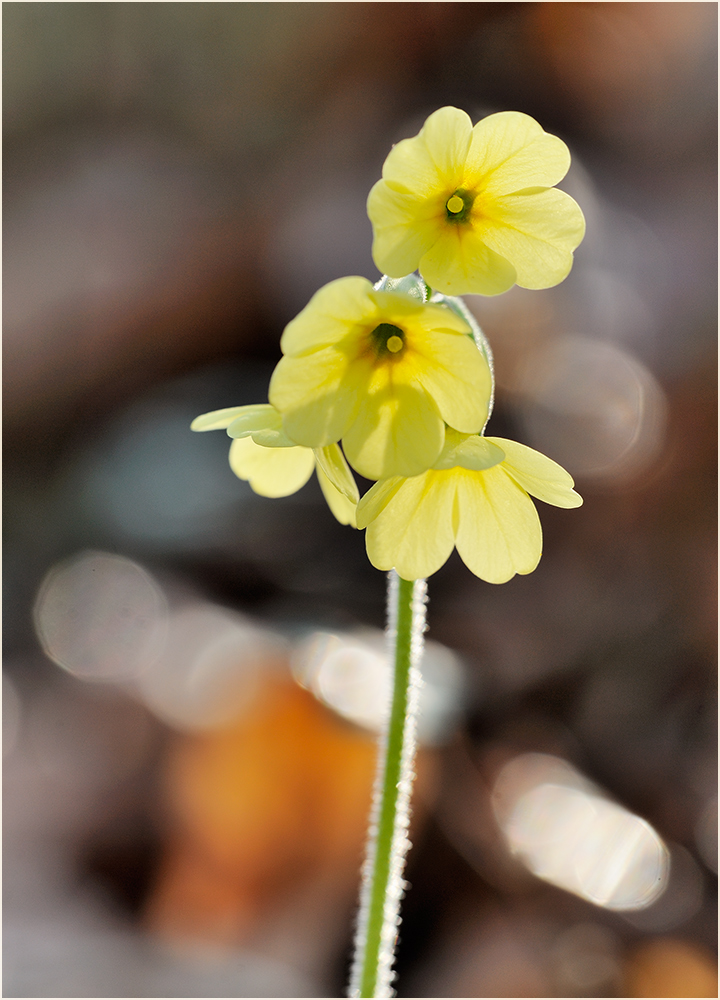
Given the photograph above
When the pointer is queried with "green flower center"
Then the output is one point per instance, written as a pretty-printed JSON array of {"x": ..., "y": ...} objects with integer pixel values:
[
  {"x": 458, "y": 205},
  {"x": 388, "y": 339}
]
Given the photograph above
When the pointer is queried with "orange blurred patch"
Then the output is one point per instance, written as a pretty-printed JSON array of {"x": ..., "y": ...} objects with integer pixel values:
[
  {"x": 266, "y": 816},
  {"x": 667, "y": 967}
]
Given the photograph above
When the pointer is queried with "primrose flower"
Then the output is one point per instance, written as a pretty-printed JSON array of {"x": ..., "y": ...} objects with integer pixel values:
[
  {"x": 383, "y": 371},
  {"x": 475, "y": 498},
  {"x": 274, "y": 465},
  {"x": 475, "y": 209}
]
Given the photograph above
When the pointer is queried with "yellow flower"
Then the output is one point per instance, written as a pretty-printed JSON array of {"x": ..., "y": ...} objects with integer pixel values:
[
  {"x": 274, "y": 465},
  {"x": 474, "y": 498},
  {"x": 384, "y": 372},
  {"x": 475, "y": 208}
]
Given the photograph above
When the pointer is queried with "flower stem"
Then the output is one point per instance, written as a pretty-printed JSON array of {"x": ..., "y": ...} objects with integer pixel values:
[{"x": 388, "y": 844}]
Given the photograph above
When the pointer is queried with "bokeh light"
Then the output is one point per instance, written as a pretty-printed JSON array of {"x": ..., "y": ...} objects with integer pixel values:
[
  {"x": 101, "y": 617},
  {"x": 104, "y": 618},
  {"x": 592, "y": 405},
  {"x": 210, "y": 668},
  {"x": 351, "y": 674},
  {"x": 680, "y": 902},
  {"x": 568, "y": 833}
]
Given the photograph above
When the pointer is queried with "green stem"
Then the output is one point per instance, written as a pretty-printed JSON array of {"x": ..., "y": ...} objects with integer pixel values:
[{"x": 388, "y": 844}]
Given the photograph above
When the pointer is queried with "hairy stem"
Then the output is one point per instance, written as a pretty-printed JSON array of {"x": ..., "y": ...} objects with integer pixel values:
[{"x": 388, "y": 844}]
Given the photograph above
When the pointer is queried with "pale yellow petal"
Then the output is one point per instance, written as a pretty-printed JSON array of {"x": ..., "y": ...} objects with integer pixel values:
[
  {"x": 537, "y": 232},
  {"x": 397, "y": 432},
  {"x": 263, "y": 424},
  {"x": 455, "y": 374},
  {"x": 510, "y": 151},
  {"x": 433, "y": 159},
  {"x": 271, "y": 472},
  {"x": 270, "y": 437},
  {"x": 447, "y": 134},
  {"x": 218, "y": 420},
  {"x": 468, "y": 451},
  {"x": 499, "y": 531},
  {"x": 402, "y": 309},
  {"x": 318, "y": 395},
  {"x": 404, "y": 228},
  {"x": 249, "y": 419},
  {"x": 460, "y": 263},
  {"x": 414, "y": 533},
  {"x": 376, "y": 500},
  {"x": 459, "y": 306},
  {"x": 336, "y": 470},
  {"x": 329, "y": 317},
  {"x": 441, "y": 317},
  {"x": 538, "y": 474},
  {"x": 342, "y": 509}
]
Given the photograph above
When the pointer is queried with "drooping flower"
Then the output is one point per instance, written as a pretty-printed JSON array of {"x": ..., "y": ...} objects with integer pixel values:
[
  {"x": 475, "y": 208},
  {"x": 275, "y": 466},
  {"x": 476, "y": 498},
  {"x": 382, "y": 371}
]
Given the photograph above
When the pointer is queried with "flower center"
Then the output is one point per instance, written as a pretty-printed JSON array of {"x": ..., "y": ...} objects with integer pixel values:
[
  {"x": 458, "y": 205},
  {"x": 388, "y": 338}
]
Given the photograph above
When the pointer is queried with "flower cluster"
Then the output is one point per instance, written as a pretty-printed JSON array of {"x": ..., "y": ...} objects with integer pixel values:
[{"x": 399, "y": 373}]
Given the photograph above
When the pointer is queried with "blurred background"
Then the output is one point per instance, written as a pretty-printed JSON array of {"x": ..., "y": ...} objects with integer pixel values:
[{"x": 194, "y": 675}]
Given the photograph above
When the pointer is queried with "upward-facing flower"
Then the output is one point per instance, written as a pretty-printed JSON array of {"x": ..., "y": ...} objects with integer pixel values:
[
  {"x": 384, "y": 372},
  {"x": 476, "y": 498},
  {"x": 475, "y": 208}
]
